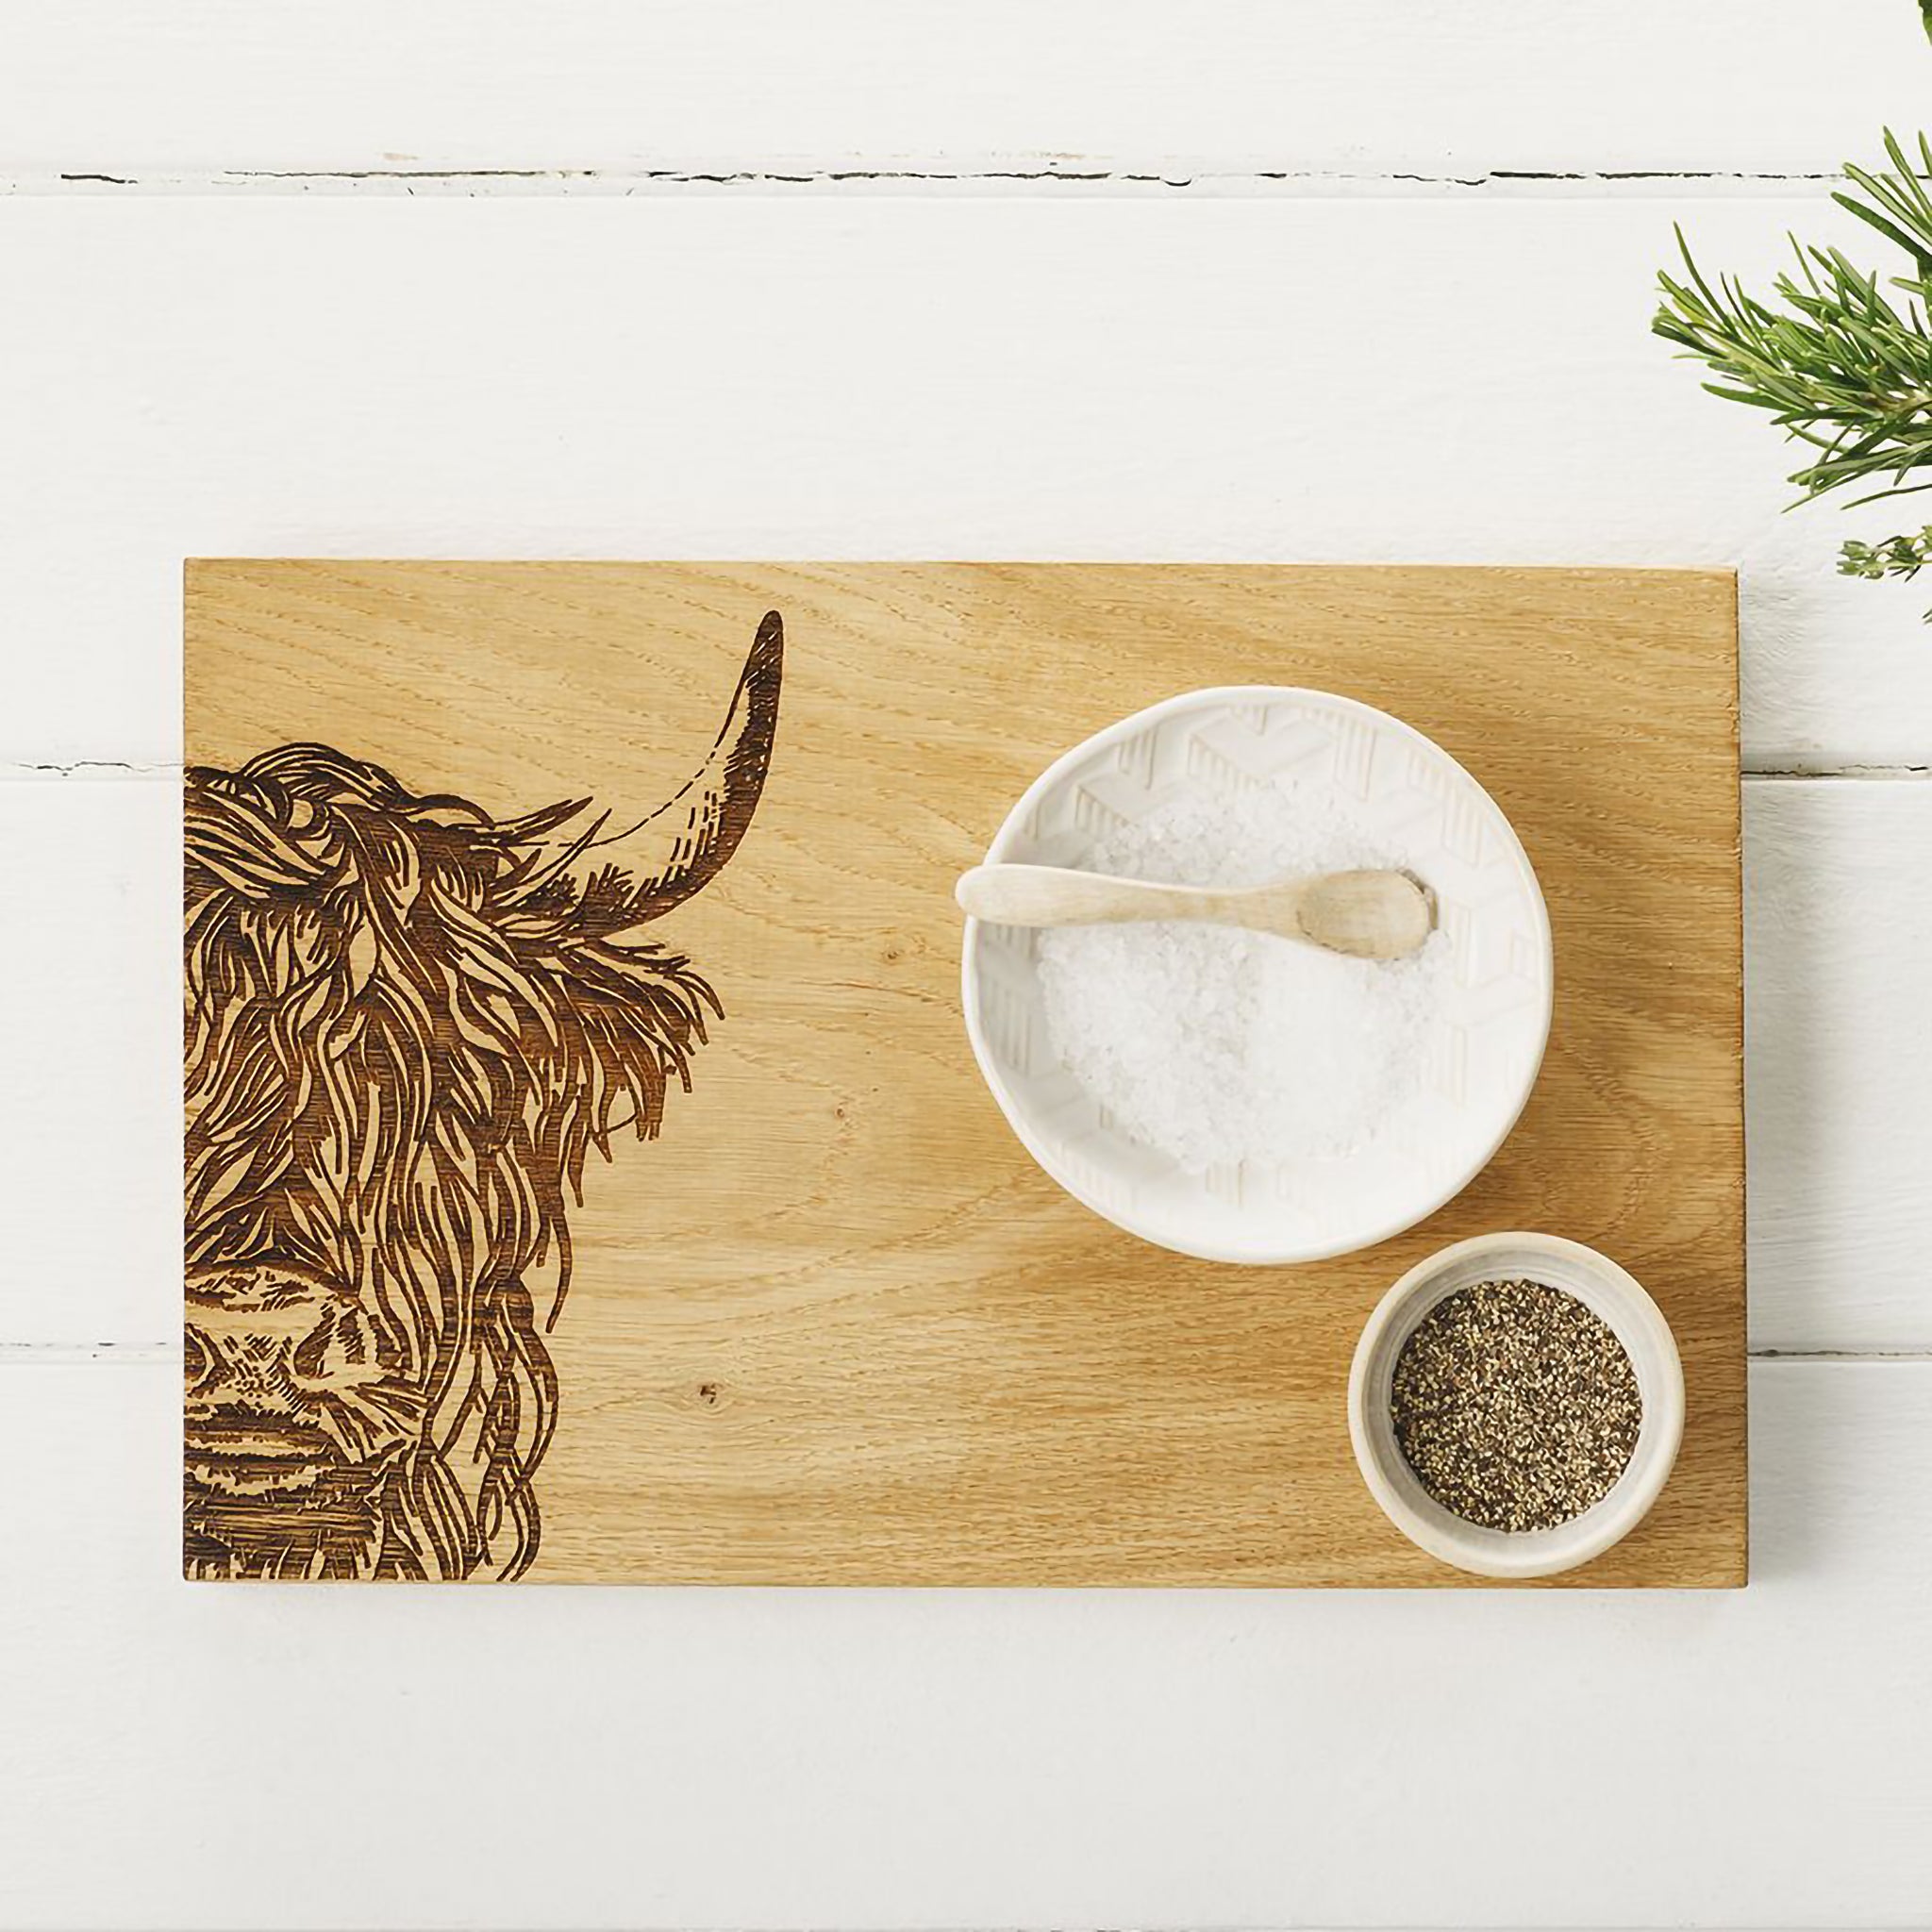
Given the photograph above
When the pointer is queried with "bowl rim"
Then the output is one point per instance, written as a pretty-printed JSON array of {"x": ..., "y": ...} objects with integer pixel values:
[
  {"x": 1275, "y": 1254},
  {"x": 1569, "y": 1545}
]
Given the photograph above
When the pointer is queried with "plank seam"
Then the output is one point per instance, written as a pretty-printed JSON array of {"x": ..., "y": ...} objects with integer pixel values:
[
  {"x": 91, "y": 768},
  {"x": 1840, "y": 1355},
  {"x": 777, "y": 176},
  {"x": 1774, "y": 774}
]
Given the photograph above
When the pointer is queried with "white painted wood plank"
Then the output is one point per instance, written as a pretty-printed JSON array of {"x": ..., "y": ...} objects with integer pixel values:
[
  {"x": 395, "y": 1758},
  {"x": 1838, "y": 981},
  {"x": 1385, "y": 380},
  {"x": 1838, "y": 1065},
  {"x": 1433, "y": 86},
  {"x": 90, "y": 1042}
]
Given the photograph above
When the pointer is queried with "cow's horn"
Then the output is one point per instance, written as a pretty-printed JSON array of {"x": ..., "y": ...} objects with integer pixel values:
[{"x": 684, "y": 844}]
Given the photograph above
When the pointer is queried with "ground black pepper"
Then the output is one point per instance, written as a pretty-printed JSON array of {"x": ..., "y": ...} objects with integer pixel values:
[{"x": 1515, "y": 1405}]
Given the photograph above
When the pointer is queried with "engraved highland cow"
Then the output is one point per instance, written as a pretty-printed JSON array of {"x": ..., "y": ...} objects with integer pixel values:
[{"x": 408, "y": 1025}]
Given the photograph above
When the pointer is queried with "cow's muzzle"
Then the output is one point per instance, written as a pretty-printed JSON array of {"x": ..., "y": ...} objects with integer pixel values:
[{"x": 287, "y": 1385}]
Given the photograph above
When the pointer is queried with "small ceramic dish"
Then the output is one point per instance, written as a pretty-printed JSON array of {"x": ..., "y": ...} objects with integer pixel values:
[
  {"x": 1486, "y": 1041},
  {"x": 1610, "y": 1293}
]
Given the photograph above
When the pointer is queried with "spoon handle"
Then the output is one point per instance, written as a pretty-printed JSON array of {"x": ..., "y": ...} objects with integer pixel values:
[{"x": 1048, "y": 895}]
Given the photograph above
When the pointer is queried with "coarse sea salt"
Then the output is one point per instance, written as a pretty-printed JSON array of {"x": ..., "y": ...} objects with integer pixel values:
[{"x": 1216, "y": 1045}]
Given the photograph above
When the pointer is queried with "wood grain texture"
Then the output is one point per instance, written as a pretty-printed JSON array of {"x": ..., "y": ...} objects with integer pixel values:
[
  {"x": 833, "y": 1326},
  {"x": 1451, "y": 87}
]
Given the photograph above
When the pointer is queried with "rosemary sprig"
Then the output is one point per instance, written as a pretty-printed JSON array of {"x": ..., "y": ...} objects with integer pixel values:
[{"x": 1839, "y": 363}]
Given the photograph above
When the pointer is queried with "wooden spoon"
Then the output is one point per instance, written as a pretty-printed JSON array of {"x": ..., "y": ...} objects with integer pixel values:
[{"x": 1370, "y": 915}]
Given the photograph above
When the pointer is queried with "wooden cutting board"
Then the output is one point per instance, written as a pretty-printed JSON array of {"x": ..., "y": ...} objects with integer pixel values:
[{"x": 831, "y": 1326}]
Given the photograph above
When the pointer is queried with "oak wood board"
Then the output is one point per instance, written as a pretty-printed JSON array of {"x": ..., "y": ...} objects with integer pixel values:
[{"x": 831, "y": 1326}]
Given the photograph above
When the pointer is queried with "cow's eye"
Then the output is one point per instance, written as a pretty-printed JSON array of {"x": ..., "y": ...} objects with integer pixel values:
[
  {"x": 352, "y": 1343},
  {"x": 197, "y": 1361},
  {"x": 312, "y": 1357}
]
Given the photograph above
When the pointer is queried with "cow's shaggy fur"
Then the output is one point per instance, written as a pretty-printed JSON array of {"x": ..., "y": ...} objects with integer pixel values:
[{"x": 408, "y": 1025}]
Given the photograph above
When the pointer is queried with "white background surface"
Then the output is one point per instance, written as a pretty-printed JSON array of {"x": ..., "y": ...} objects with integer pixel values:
[{"x": 1238, "y": 280}]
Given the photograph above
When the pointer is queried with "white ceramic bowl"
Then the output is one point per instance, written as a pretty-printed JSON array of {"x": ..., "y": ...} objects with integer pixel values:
[
  {"x": 1487, "y": 1042},
  {"x": 1596, "y": 1281}
]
